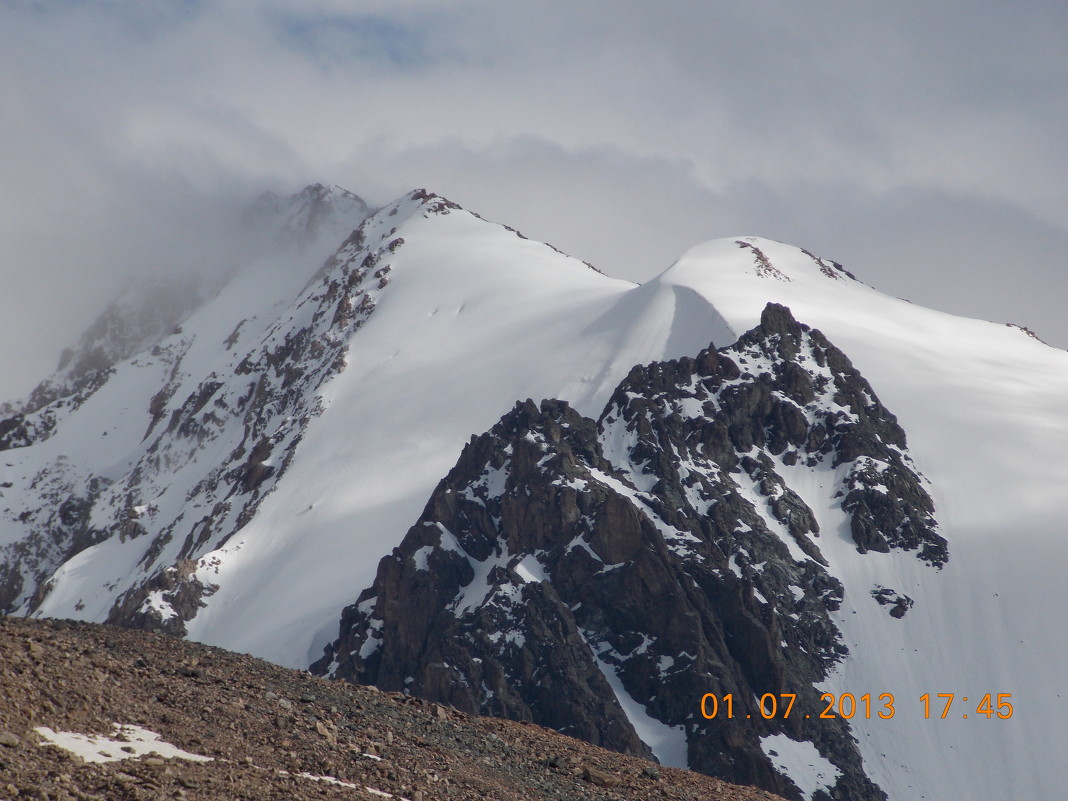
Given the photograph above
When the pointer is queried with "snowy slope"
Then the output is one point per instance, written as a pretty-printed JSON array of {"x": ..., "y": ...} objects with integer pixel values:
[
  {"x": 983, "y": 406},
  {"x": 474, "y": 317},
  {"x": 375, "y": 367},
  {"x": 105, "y": 467}
]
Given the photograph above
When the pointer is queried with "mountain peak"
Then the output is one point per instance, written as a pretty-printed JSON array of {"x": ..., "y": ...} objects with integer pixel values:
[
  {"x": 753, "y": 258},
  {"x": 315, "y": 212},
  {"x": 778, "y": 319}
]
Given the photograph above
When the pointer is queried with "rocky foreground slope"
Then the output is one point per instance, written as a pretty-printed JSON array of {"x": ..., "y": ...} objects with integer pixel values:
[{"x": 274, "y": 733}]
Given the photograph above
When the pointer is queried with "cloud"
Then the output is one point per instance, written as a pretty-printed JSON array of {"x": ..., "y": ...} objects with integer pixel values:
[{"x": 907, "y": 139}]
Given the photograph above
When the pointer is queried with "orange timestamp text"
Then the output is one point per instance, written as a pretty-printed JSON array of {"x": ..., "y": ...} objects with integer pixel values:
[{"x": 866, "y": 706}]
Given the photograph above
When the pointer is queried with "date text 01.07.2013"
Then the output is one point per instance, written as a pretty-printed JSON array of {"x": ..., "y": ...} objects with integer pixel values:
[{"x": 867, "y": 706}]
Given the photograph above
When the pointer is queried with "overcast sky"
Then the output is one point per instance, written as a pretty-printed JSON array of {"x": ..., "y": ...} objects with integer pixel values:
[{"x": 921, "y": 144}]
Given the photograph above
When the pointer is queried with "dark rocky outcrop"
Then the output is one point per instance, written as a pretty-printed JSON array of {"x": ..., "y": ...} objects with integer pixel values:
[
  {"x": 564, "y": 566},
  {"x": 898, "y": 602},
  {"x": 163, "y": 603}
]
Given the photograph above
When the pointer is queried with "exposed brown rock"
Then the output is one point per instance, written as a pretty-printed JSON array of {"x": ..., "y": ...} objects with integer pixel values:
[
  {"x": 84, "y": 678},
  {"x": 599, "y": 777}
]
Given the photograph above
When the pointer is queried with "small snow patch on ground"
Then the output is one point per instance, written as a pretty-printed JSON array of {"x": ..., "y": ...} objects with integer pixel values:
[
  {"x": 135, "y": 742},
  {"x": 330, "y": 780},
  {"x": 338, "y": 783}
]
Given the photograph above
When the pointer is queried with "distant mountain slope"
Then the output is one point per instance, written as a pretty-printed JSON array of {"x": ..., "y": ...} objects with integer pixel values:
[
  {"x": 145, "y": 312},
  {"x": 69, "y": 487},
  {"x": 152, "y": 306}
]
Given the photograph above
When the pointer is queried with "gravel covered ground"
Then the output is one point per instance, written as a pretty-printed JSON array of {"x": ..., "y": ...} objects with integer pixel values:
[{"x": 273, "y": 733}]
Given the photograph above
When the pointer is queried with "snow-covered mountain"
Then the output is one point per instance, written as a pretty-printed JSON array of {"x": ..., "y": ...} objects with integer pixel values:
[
  {"x": 597, "y": 578},
  {"x": 239, "y": 480}
]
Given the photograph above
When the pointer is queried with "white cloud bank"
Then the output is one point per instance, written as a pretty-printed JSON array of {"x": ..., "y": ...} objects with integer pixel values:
[{"x": 923, "y": 146}]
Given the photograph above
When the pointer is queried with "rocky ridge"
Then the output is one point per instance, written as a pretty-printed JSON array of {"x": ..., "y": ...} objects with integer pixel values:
[
  {"x": 248, "y": 413},
  {"x": 152, "y": 307},
  {"x": 565, "y": 568}
]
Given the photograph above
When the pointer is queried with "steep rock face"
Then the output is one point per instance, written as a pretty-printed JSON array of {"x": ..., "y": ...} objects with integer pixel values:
[
  {"x": 782, "y": 397},
  {"x": 458, "y": 618},
  {"x": 589, "y": 575},
  {"x": 259, "y": 412}
]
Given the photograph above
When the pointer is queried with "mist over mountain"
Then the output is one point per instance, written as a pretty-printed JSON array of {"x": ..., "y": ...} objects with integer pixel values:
[{"x": 752, "y": 474}]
